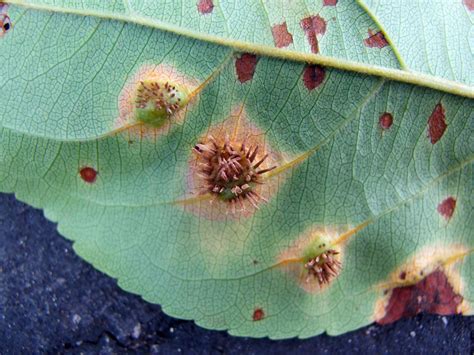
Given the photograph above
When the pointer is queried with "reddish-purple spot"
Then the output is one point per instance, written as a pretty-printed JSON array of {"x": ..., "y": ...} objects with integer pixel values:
[
  {"x": 205, "y": 6},
  {"x": 313, "y": 76},
  {"x": 88, "y": 174},
  {"x": 376, "y": 40},
  {"x": 437, "y": 124},
  {"x": 469, "y": 4},
  {"x": 446, "y": 208},
  {"x": 258, "y": 314},
  {"x": 329, "y": 2},
  {"x": 281, "y": 36},
  {"x": 434, "y": 294},
  {"x": 245, "y": 67},
  {"x": 313, "y": 26},
  {"x": 386, "y": 120},
  {"x": 403, "y": 275}
]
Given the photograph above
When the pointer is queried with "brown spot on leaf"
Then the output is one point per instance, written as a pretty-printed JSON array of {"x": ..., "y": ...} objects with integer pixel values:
[
  {"x": 312, "y": 27},
  {"x": 446, "y": 208},
  {"x": 386, "y": 120},
  {"x": 205, "y": 6},
  {"x": 375, "y": 40},
  {"x": 434, "y": 294},
  {"x": 469, "y": 4},
  {"x": 88, "y": 174},
  {"x": 258, "y": 314},
  {"x": 281, "y": 36},
  {"x": 437, "y": 124},
  {"x": 313, "y": 76},
  {"x": 245, "y": 67},
  {"x": 411, "y": 292},
  {"x": 329, "y": 2}
]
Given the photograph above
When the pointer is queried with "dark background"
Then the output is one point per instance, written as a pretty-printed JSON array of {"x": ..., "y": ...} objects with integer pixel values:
[{"x": 52, "y": 301}]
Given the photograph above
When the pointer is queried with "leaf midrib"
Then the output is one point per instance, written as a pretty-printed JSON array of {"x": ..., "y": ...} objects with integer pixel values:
[{"x": 405, "y": 76}]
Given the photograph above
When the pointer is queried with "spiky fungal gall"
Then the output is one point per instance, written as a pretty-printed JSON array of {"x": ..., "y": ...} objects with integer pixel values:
[
  {"x": 315, "y": 260},
  {"x": 156, "y": 101},
  {"x": 323, "y": 267},
  {"x": 231, "y": 170}
]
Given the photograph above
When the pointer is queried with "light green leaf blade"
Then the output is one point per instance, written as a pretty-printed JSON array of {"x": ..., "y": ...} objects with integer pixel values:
[{"x": 342, "y": 171}]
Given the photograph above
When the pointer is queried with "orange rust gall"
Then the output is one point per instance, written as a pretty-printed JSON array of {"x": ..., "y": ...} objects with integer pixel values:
[
  {"x": 156, "y": 97},
  {"x": 323, "y": 267},
  {"x": 88, "y": 174},
  {"x": 227, "y": 176},
  {"x": 315, "y": 260},
  {"x": 231, "y": 170}
]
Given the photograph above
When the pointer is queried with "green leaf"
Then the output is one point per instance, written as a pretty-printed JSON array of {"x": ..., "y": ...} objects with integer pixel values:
[{"x": 372, "y": 139}]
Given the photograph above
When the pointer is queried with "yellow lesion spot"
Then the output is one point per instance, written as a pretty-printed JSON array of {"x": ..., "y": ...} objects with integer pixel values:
[
  {"x": 315, "y": 260},
  {"x": 443, "y": 258},
  {"x": 156, "y": 97}
]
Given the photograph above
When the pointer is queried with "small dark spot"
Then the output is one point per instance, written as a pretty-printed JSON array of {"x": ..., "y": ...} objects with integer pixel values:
[
  {"x": 403, "y": 275},
  {"x": 469, "y": 4},
  {"x": 258, "y": 314},
  {"x": 437, "y": 124},
  {"x": 205, "y": 6},
  {"x": 329, "y": 2},
  {"x": 245, "y": 67},
  {"x": 446, "y": 208},
  {"x": 313, "y": 76},
  {"x": 5, "y": 23},
  {"x": 386, "y": 120},
  {"x": 375, "y": 40},
  {"x": 434, "y": 294},
  {"x": 255, "y": 262},
  {"x": 88, "y": 174},
  {"x": 313, "y": 26},
  {"x": 281, "y": 36},
  {"x": 385, "y": 292}
]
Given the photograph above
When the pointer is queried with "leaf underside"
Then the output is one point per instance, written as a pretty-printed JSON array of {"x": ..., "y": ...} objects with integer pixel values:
[{"x": 342, "y": 166}]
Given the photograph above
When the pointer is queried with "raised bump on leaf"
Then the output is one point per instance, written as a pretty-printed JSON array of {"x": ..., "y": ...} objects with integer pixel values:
[
  {"x": 258, "y": 314},
  {"x": 423, "y": 284},
  {"x": 88, "y": 174},
  {"x": 386, "y": 120},
  {"x": 315, "y": 260},
  {"x": 227, "y": 170},
  {"x": 156, "y": 97}
]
